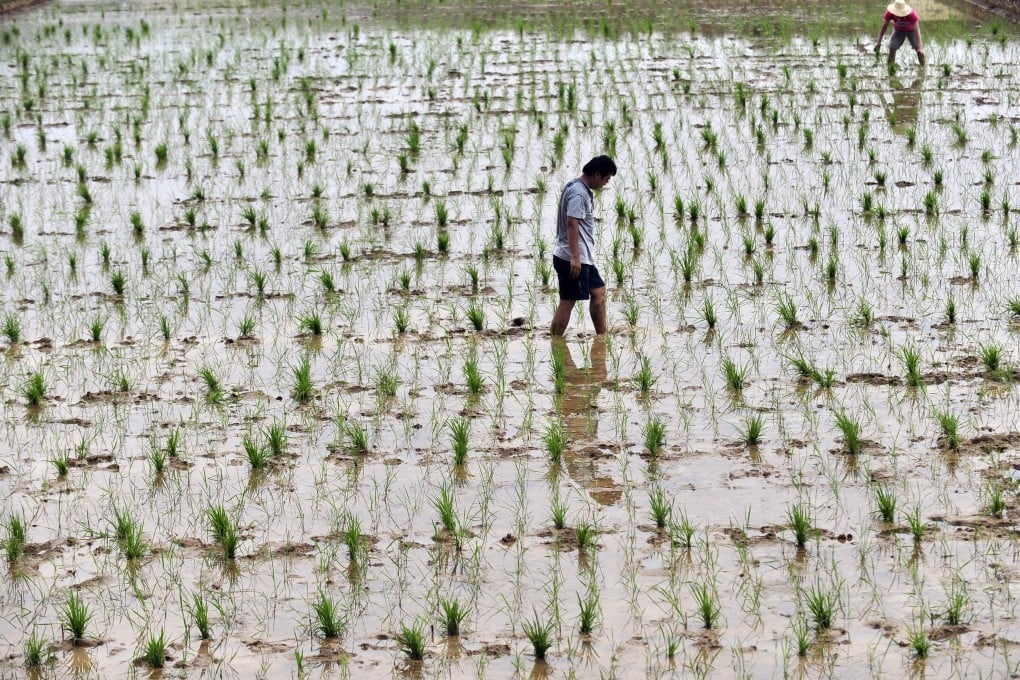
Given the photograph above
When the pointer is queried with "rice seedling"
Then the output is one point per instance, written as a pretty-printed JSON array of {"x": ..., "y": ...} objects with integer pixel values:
[
  {"x": 154, "y": 653},
  {"x": 660, "y": 507},
  {"x": 708, "y": 606},
  {"x": 916, "y": 524},
  {"x": 213, "y": 388},
  {"x": 586, "y": 535},
  {"x": 736, "y": 376},
  {"x": 459, "y": 435},
  {"x": 644, "y": 379},
  {"x": 302, "y": 374},
  {"x": 118, "y": 282},
  {"x": 991, "y": 357},
  {"x": 386, "y": 384},
  {"x": 411, "y": 640},
  {"x": 16, "y": 534},
  {"x": 473, "y": 375},
  {"x": 787, "y": 310},
  {"x": 443, "y": 504},
  {"x": 851, "y": 430},
  {"x": 799, "y": 519},
  {"x": 75, "y": 617},
  {"x": 920, "y": 643},
  {"x": 539, "y": 634},
  {"x": 401, "y": 320},
  {"x": 911, "y": 359},
  {"x": 751, "y": 433},
  {"x": 452, "y": 615},
  {"x": 958, "y": 600},
  {"x": 995, "y": 504},
  {"x": 34, "y": 390},
  {"x": 258, "y": 456},
  {"x": 588, "y": 613},
  {"x": 822, "y": 604},
  {"x": 356, "y": 435},
  {"x": 559, "y": 513},
  {"x": 655, "y": 436},
  {"x": 974, "y": 262},
  {"x": 885, "y": 502},
  {"x": 949, "y": 427},
  {"x": 950, "y": 311},
  {"x": 329, "y": 618},
  {"x": 12, "y": 329},
  {"x": 476, "y": 315},
  {"x": 708, "y": 313},
  {"x": 224, "y": 530},
  {"x": 310, "y": 323},
  {"x": 555, "y": 440},
  {"x": 36, "y": 653},
  {"x": 199, "y": 611}
]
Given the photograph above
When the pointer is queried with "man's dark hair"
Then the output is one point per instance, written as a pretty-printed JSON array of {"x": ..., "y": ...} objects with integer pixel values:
[{"x": 600, "y": 165}]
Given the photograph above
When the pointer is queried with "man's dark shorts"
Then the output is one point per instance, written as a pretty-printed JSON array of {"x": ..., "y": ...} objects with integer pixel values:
[
  {"x": 898, "y": 36},
  {"x": 581, "y": 287}
]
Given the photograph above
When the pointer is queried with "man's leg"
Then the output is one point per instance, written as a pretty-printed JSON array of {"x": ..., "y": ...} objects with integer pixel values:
[
  {"x": 597, "y": 307},
  {"x": 561, "y": 318},
  {"x": 892, "y": 56}
]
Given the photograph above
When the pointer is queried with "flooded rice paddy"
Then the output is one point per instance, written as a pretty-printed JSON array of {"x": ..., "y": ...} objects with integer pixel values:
[{"x": 280, "y": 399}]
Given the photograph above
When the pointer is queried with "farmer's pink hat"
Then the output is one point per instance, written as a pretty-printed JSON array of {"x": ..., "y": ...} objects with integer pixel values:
[{"x": 900, "y": 8}]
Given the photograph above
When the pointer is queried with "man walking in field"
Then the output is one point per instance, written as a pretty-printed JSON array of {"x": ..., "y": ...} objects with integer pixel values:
[{"x": 574, "y": 253}]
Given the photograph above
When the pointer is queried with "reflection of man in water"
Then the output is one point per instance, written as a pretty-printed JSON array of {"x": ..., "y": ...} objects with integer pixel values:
[
  {"x": 906, "y": 103},
  {"x": 578, "y": 407}
]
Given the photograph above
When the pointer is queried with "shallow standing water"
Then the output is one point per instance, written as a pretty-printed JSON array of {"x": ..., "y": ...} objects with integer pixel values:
[{"x": 291, "y": 192}]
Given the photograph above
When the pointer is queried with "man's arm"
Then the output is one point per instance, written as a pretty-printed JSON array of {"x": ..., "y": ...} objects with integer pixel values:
[
  {"x": 574, "y": 241},
  {"x": 881, "y": 34}
]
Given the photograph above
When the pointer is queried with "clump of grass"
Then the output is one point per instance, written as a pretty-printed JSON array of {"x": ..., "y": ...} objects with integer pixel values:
[
  {"x": 303, "y": 381},
  {"x": 661, "y": 508},
  {"x": 258, "y": 455},
  {"x": 443, "y": 503},
  {"x": 752, "y": 430},
  {"x": 911, "y": 359},
  {"x": 75, "y": 617},
  {"x": 476, "y": 315},
  {"x": 681, "y": 534},
  {"x": 213, "y": 389},
  {"x": 35, "y": 652},
  {"x": 851, "y": 430},
  {"x": 459, "y": 434},
  {"x": 655, "y": 436},
  {"x": 736, "y": 376},
  {"x": 224, "y": 530},
  {"x": 996, "y": 500},
  {"x": 357, "y": 436},
  {"x": 16, "y": 531},
  {"x": 329, "y": 621},
  {"x": 311, "y": 323},
  {"x": 154, "y": 652},
  {"x": 708, "y": 606},
  {"x": 958, "y": 599},
  {"x": 822, "y": 604},
  {"x": 800, "y": 521},
  {"x": 472, "y": 375},
  {"x": 645, "y": 379},
  {"x": 885, "y": 501},
  {"x": 916, "y": 524},
  {"x": 787, "y": 309},
  {"x": 539, "y": 634},
  {"x": 991, "y": 357},
  {"x": 34, "y": 389},
  {"x": 12, "y": 329},
  {"x": 411, "y": 640},
  {"x": 199, "y": 611},
  {"x": 556, "y": 440},
  {"x": 919, "y": 642},
  {"x": 588, "y": 613},
  {"x": 451, "y": 615},
  {"x": 949, "y": 426}
]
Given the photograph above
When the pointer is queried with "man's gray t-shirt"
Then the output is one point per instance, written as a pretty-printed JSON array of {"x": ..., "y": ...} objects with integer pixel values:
[{"x": 576, "y": 201}]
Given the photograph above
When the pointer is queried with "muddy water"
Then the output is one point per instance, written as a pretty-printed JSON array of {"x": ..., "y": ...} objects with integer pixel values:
[{"x": 319, "y": 138}]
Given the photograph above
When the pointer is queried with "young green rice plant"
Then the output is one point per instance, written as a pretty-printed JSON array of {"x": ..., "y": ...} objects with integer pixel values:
[
  {"x": 329, "y": 619},
  {"x": 386, "y": 384},
  {"x": 986, "y": 200},
  {"x": 787, "y": 309},
  {"x": 224, "y": 530},
  {"x": 822, "y": 604},
  {"x": 75, "y": 617},
  {"x": 16, "y": 530},
  {"x": 885, "y": 502},
  {"x": 681, "y": 534},
  {"x": 258, "y": 456},
  {"x": 310, "y": 323},
  {"x": 411, "y": 640},
  {"x": 258, "y": 281},
  {"x": 931, "y": 204},
  {"x": 472, "y": 375},
  {"x": 619, "y": 271},
  {"x": 865, "y": 315},
  {"x": 158, "y": 459},
  {"x": 917, "y": 638},
  {"x": 708, "y": 606},
  {"x": 996, "y": 500},
  {"x": 154, "y": 654},
  {"x": 802, "y": 638},
  {"x": 974, "y": 262},
  {"x": 588, "y": 613},
  {"x": 555, "y": 440},
  {"x": 949, "y": 427},
  {"x": 476, "y": 315},
  {"x": 246, "y": 327},
  {"x": 401, "y": 319},
  {"x": 443, "y": 242},
  {"x": 586, "y": 535},
  {"x": 958, "y": 600},
  {"x": 199, "y": 611},
  {"x": 991, "y": 357},
  {"x": 12, "y": 329},
  {"x": 443, "y": 504},
  {"x": 661, "y": 508},
  {"x": 631, "y": 312},
  {"x": 96, "y": 327},
  {"x": 851, "y": 430},
  {"x": 799, "y": 519},
  {"x": 916, "y": 524},
  {"x": 655, "y": 436},
  {"x": 302, "y": 381},
  {"x": 559, "y": 513},
  {"x": 451, "y": 615},
  {"x": 539, "y": 634},
  {"x": 356, "y": 435},
  {"x": 950, "y": 311},
  {"x": 118, "y": 282},
  {"x": 442, "y": 214},
  {"x": 708, "y": 312},
  {"x": 645, "y": 379},
  {"x": 213, "y": 388},
  {"x": 736, "y": 376},
  {"x": 751, "y": 433},
  {"x": 164, "y": 327},
  {"x": 459, "y": 434},
  {"x": 1013, "y": 307},
  {"x": 36, "y": 653},
  {"x": 62, "y": 463},
  {"x": 911, "y": 359},
  {"x": 34, "y": 390}
]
